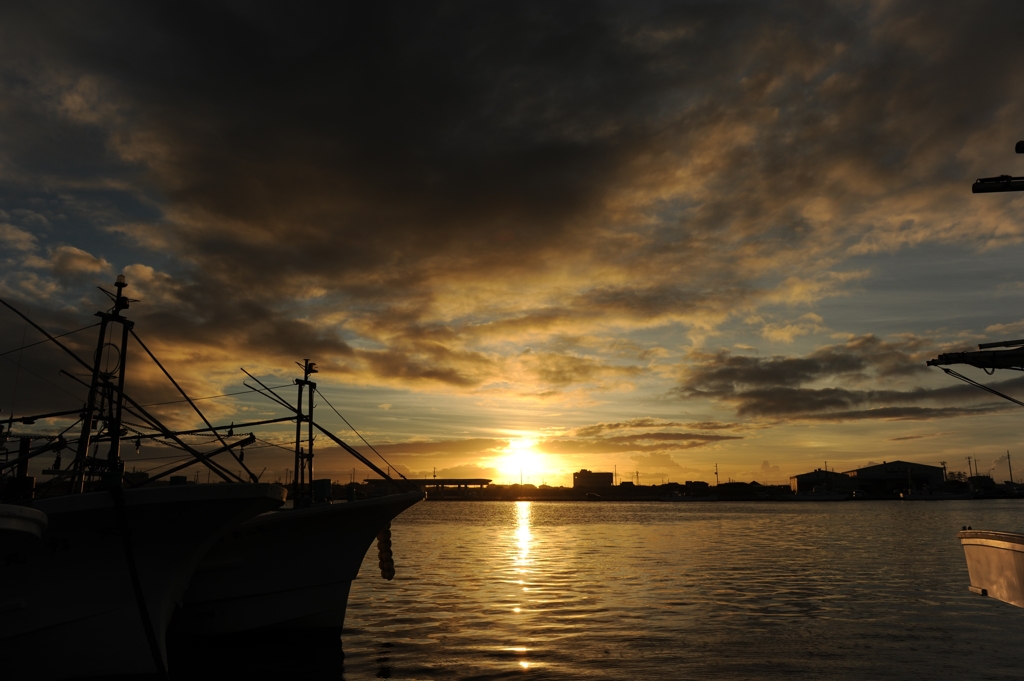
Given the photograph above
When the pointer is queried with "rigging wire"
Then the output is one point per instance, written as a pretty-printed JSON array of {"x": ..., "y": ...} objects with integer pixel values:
[
  {"x": 210, "y": 397},
  {"x": 182, "y": 459},
  {"x": 152, "y": 458},
  {"x": 986, "y": 388},
  {"x": 267, "y": 443},
  {"x": 135, "y": 426},
  {"x": 360, "y": 436},
  {"x": 191, "y": 404},
  {"x": 45, "y": 380},
  {"x": 71, "y": 426},
  {"x": 46, "y": 340},
  {"x": 268, "y": 393}
]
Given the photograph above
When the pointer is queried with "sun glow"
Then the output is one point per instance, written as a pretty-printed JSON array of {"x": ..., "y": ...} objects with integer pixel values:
[{"x": 521, "y": 462}]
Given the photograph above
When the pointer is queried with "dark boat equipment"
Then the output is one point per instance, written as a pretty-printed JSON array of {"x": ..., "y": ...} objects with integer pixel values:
[
  {"x": 986, "y": 360},
  {"x": 102, "y": 418},
  {"x": 1002, "y": 183}
]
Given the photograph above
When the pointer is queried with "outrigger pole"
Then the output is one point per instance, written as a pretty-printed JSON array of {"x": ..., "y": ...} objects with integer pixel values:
[
  {"x": 102, "y": 387},
  {"x": 987, "y": 358},
  {"x": 334, "y": 438},
  {"x": 1002, "y": 183},
  {"x": 154, "y": 423},
  {"x": 112, "y": 395},
  {"x": 194, "y": 407}
]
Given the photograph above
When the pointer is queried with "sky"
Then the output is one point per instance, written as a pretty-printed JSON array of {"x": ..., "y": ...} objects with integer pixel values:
[{"x": 521, "y": 239}]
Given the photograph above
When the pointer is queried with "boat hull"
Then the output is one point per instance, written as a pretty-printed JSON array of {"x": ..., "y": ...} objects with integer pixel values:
[
  {"x": 19, "y": 525},
  {"x": 95, "y": 596},
  {"x": 995, "y": 562},
  {"x": 290, "y": 569}
]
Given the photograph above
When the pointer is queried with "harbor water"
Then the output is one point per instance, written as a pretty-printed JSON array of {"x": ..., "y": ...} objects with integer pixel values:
[{"x": 594, "y": 590}]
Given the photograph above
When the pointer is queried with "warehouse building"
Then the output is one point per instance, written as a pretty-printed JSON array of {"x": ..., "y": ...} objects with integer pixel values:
[
  {"x": 587, "y": 480},
  {"x": 820, "y": 481},
  {"x": 893, "y": 477}
]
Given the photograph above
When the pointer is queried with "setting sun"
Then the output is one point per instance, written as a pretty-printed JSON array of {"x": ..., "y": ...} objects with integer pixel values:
[{"x": 521, "y": 462}]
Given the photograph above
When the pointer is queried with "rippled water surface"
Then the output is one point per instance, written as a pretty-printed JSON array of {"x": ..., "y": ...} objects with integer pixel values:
[{"x": 562, "y": 590}]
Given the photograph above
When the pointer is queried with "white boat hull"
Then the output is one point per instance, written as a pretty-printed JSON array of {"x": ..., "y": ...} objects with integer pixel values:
[
  {"x": 289, "y": 569},
  {"x": 19, "y": 525},
  {"x": 995, "y": 562},
  {"x": 73, "y": 606}
]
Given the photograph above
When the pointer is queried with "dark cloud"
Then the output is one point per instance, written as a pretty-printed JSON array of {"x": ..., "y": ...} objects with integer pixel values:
[
  {"x": 375, "y": 152},
  {"x": 646, "y": 442},
  {"x": 598, "y": 428},
  {"x": 916, "y": 437},
  {"x": 907, "y": 413},
  {"x": 784, "y": 387},
  {"x": 711, "y": 425},
  {"x": 669, "y": 437}
]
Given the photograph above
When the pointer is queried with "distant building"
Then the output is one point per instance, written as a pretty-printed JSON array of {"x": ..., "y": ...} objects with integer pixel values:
[
  {"x": 820, "y": 481},
  {"x": 696, "y": 488},
  {"x": 436, "y": 488},
  {"x": 892, "y": 477},
  {"x": 587, "y": 479},
  {"x": 982, "y": 483}
]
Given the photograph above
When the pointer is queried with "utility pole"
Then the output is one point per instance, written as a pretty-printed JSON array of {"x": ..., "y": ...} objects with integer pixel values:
[
  {"x": 970, "y": 471},
  {"x": 716, "y": 475},
  {"x": 1010, "y": 465},
  {"x": 615, "y": 475}
]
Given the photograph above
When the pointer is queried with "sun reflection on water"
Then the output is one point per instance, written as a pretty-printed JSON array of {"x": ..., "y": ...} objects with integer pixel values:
[
  {"x": 521, "y": 559},
  {"x": 523, "y": 535}
]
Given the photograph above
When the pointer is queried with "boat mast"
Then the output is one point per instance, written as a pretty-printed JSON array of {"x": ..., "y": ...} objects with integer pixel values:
[
  {"x": 301, "y": 456},
  {"x": 310, "y": 368},
  {"x": 298, "y": 445},
  {"x": 101, "y": 379}
]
